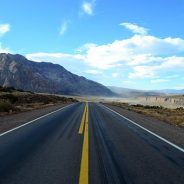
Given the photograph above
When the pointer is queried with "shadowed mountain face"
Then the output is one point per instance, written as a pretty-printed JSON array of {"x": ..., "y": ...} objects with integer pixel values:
[{"x": 21, "y": 73}]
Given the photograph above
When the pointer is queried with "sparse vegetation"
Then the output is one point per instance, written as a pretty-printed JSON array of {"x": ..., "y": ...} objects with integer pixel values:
[
  {"x": 172, "y": 116},
  {"x": 12, "y": 100},
  {"x": 9, "y": 97},
  {"x": 5, "y": 107}
]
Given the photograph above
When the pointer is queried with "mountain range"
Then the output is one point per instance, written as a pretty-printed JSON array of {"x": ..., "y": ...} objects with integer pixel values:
[
  {"x": 18, "y": 72},
  {"x": 128, "y": 93},
  {"x": 172, "y": 91}
]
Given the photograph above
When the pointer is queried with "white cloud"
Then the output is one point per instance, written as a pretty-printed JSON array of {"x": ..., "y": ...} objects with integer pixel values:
[
  {"x": 142, "y": 72},
  {"x": 88, "y": 7},
  {"x": 167, "y": 64},
  {"x": 156, "y": 81},
  {"x": 54, "y": 57},
  {"x": 4, "y": 28},
  {"x": 135, "y": 28},
  {"x": 94, "y": 72},
  {"x": 115, "y": 75},
  {"x": 85, "y": 47},
  {"x": 142, "y": 56},
  {"x": 63, "y": 28},
  {"x": 136, "y": 50},
  {"x": 145, "y": 54},
  {"x": 138, "y": 53},
  {"x": 72, "y": 62}
]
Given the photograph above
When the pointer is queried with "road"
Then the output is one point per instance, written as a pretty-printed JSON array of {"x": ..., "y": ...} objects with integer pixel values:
[{"x": 87, "y": 143}]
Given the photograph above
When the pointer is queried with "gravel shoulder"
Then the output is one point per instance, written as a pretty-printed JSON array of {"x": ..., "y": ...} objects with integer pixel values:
[
  {"x": 10, "y": 121},
  {"x": 170, "y": 132}
]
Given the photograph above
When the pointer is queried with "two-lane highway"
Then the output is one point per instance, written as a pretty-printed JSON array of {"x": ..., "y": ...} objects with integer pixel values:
[{"x": 87, "y": 143}]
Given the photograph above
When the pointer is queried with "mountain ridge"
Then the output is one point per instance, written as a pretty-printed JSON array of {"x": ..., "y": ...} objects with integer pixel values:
[{"x": 19, "y": 72}]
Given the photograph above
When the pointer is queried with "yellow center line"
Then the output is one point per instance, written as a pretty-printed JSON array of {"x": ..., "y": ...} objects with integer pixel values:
[
  {"x": 81, "y": 128},
  {"x": 83, "y": 178}
]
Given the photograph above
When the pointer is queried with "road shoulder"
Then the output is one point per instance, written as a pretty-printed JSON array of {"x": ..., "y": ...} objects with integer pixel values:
[
  {"x": 13, "y": 120},
  {"x": 170, "y": 132}
]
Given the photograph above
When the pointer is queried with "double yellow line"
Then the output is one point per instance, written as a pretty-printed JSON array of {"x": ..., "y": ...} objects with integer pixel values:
[{"x": 83, "y": 178}]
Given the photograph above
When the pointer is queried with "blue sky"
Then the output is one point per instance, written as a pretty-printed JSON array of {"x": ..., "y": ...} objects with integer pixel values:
[{"x": 126, "y": 43}]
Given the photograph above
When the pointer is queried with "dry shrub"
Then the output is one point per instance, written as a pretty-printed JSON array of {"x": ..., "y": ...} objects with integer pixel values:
[
  {"x": 172, "y": 116},
  {"x": 5, "y": 107}
]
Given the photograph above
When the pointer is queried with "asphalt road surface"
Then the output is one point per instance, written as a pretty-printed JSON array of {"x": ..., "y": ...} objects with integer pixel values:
[{"x": 87, "y": 143}]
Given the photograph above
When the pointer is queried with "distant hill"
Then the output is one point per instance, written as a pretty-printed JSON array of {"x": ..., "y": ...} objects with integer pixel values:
[
  {"x": 18, "y": 72},
  {"x": 128, "y": 93},
  {"x": 172, "y": 91}
]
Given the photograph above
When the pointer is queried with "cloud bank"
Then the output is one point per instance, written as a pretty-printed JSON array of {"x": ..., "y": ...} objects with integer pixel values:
[{"x": 144, "y": 56}]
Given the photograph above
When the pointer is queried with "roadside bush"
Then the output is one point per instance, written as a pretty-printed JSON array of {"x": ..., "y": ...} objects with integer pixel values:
[
  {"x": 5, "y": 106},
  {"x": 180, "y": 109},
  {"x": 20, "y": 90},
  {"x": 7, "y": 89},
  {"x": 137, "y": 105},
  {"x": 10, "y": 97}
]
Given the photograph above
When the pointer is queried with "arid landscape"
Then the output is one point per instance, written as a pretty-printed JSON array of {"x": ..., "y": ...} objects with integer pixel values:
[
  {"x": 91, "y": 92},
  {"x": 169, "y": 109},
  {"x": 16, "y": 101},
  {"x": 168, "y": 101},
  {"x": 168, "y": 115}
]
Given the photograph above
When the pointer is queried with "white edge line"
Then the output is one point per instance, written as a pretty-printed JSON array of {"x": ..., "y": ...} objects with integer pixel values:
[
  {"x": 168, "y": 142},
  {"x": 11, "y": 130}
]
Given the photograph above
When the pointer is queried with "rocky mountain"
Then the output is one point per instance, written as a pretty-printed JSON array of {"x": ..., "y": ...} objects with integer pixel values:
[{"x": 21, "y": 73}]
